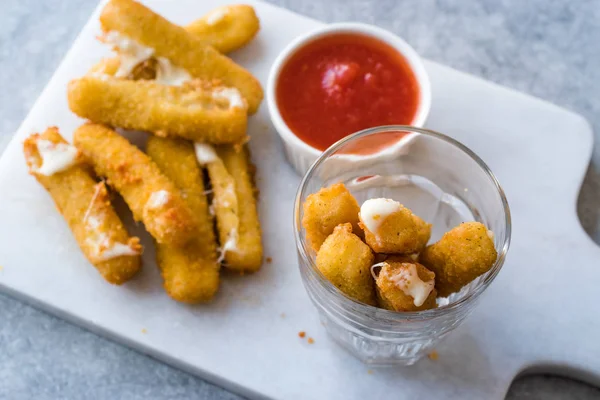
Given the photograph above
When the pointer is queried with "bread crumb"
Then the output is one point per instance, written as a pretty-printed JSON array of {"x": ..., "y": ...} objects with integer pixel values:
[
  {"x": 1, "y": 267},
  {"x": 269, "y": 260},
  {"x": 144, "y": 331},
  {"x": 370, "y": 371},
  {"x": 433, "y": 355},
  {"x": 311, "y": 340},
  {"x": 282, "y": 315},
  {"x": 302, "y": 334}
]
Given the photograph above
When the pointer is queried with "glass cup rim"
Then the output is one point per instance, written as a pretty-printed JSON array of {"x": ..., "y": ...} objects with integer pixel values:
[{"x": 383, "y": 314}]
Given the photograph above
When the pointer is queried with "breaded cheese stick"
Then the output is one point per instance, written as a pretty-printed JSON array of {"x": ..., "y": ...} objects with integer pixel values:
[
  {"x": 226, "y": 28},
  {"x": 134, "y": 23},
  {"x": 85, "y": 206},
  {"x": 150, "y": 195},
  {"x": 234, "y": 205},
  {"x": 215, "y": 115},
  {"x": 190, "y": 273}
]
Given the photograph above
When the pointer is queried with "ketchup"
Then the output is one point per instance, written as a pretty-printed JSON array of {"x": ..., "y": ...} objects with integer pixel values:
[{"x": 343, "y": 83}]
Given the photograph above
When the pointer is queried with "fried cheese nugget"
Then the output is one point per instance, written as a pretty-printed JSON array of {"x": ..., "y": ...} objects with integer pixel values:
[
  {"x": 461, "y": 255},
  {"x": 226, "y": 28},
  {"x": 392, "y": 228},
  {"x": 216, "y": 115},
  {"x": 85, "y": 206},
  {"x": 346, "y": 262},
  {"x": 190, "y": 273},
  {"x": 326, "y": 209},
  {"x": 134, "y": 22},
  {"x": 151, "y": 196},
  {"x": 405, "y": 285},
  {"x": 234, "y": 205}
]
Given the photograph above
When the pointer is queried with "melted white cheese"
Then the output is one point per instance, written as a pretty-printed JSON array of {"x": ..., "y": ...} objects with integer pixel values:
[
  {"x": 158, "y": 199},
  {"x": 169, "y": 74},
  {"x": 205, "y": 153},
  {"x": 216, "y": 15},
  {"x": 100, "y": 243},
  {"x": 230, "y": 244},
  {"x": 232, "y": 95},
  {"x": 117, "y": 250},
  {"x": 374, "y": 211},
  {"x": 407, "y": 279},
  {"x": 131, "y": 52},
  {"x": 55, "y": 157}
]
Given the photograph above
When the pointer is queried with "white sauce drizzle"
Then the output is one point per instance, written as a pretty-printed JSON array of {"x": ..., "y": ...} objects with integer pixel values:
[
  {"x": 232, "y": 95},
  {"x": 158, "y": 199},
  {"x": 216, "y": 15},
  {"x": 205, "y": 153},
  {"x": 407, "y": 279},
  {"x": 374, "y": 211},
  {"x": 55, "y": 157}
]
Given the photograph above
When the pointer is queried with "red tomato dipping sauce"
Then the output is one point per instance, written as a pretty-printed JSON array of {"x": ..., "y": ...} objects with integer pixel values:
[{"x": 343, "y": 83}]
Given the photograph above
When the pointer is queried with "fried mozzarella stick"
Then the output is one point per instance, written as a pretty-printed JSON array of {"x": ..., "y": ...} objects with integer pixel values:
[
  {"x": 234, "y": 205},
  {"x": 127, "y": 23},
  {"x": 85, "y": 206},
  {"x": 190, "y": 273},
  {"x": 226, "y": 28},
  {"x": 150, "y": 195},
  {"x": 216, "y": 115}
]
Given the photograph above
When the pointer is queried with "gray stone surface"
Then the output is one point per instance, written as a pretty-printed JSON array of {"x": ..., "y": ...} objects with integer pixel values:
[{"x": 548, "y": 48}]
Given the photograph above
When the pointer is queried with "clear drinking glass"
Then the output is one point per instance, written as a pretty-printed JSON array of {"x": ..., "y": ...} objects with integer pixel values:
[{"x": 444, "y": 183}]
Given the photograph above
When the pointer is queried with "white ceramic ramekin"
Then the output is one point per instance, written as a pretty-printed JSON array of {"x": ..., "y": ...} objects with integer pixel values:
[{"x": 302, "y": 155}]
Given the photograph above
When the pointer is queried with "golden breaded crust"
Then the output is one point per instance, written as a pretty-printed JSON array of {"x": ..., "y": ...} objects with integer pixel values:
[
  {"x": 150, "y": 195},
  {"x": 182, "y": 48},
  {"x": 226, "y": 28},
  {"x": 423, "y": 233},
  {"x": 189, "y": 111},
  {"x": 190, "y": 273},
  {"x": 391, "y": 297},
  {"x": 461, "y": 255},
  {"x": 81, "y": 200},
  {"x": 346, "y": 262},
  {"x": 398, "y": 233},
  {"x": 326, "y": 209}
]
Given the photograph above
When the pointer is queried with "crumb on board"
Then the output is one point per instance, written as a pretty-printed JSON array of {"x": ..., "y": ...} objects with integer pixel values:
[
  {"x": 144, "y": 331},
  {"x": 1, "y": 267},
  {"x": 370, "y": 371},
  {"x": 302, "y": 334},
  {"x": 282, "y": 315},
  {"x": 269, "y": 260},
  {"x": 311, "y": 340},
  {"x": 433, "y": 355}
]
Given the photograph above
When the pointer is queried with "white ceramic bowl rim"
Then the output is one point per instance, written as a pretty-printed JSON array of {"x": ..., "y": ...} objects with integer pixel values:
[{"x": 387, "y": 37}]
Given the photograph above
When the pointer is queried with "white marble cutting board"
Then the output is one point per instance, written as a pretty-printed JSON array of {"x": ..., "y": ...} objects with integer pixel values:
[{"x": 540, "y": 313}]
